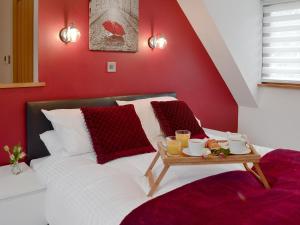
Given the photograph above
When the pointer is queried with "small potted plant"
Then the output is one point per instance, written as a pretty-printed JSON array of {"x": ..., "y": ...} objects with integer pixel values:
[{"x": 15, "y": 156}]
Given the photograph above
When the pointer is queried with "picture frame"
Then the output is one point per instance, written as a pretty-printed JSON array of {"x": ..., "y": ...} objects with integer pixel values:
[{"x": 114, "y": 25}]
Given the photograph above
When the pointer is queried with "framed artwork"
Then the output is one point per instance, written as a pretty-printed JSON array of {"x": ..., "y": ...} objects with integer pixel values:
[{"x": 114, "y": 25}]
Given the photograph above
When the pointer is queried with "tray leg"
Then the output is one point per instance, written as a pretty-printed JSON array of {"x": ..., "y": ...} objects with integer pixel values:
[
  {"x": 155, "y": 183},
  {"x": 152, "y": 164},
  {"x": 263, "y": 179},
  {"x": 258, "y": 174}
]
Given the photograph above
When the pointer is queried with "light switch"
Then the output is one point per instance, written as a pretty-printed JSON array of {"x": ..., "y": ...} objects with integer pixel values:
[{"x": 111, "y": 67}]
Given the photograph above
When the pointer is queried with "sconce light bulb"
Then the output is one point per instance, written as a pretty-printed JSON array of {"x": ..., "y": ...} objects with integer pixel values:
[
  {"x": 161, "y": 42},
  {"x": 158, "y": 42},
  {"x": 69, "y": 34}
]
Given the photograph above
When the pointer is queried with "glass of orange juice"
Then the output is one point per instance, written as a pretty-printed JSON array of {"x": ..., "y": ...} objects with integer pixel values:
[
  {"x": 173, "y": 146},
  {"x": 183, "y": 136}
]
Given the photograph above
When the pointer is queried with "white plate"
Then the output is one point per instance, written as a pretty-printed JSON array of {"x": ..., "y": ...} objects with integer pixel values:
[{"x": 189, "y": 153}]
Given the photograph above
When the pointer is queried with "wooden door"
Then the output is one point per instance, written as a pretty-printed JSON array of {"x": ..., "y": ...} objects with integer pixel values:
[{"x": 23, "y": 30}]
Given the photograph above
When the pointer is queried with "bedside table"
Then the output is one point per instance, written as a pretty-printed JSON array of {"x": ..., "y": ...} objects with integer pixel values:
[{"x": 22, "y": 197}]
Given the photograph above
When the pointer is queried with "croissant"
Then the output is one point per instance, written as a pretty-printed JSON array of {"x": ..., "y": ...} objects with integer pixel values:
[{"x": 213, "y": 144}]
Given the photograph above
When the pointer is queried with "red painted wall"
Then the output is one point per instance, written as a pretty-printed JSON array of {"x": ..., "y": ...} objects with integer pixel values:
[{"x": 72, "y": 71}]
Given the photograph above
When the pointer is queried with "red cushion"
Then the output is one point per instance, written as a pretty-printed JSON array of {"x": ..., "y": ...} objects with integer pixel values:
[
  {"x": 116, "y": 132},
  {"x": 176, "y": 115}
]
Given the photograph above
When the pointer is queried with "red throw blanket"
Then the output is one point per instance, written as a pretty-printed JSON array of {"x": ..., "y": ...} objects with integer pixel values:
[{"x": 232, "y": 198}]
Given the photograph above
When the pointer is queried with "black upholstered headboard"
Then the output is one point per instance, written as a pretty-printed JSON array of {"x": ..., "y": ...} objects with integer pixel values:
[{"x": 37, "y": 122}]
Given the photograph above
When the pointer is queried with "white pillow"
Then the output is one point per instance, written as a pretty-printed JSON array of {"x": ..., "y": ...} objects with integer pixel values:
[
  {"x": 147, "y": 117},
  {"x": 52, "y": 142},
  {"x": 71, "y": 129}
]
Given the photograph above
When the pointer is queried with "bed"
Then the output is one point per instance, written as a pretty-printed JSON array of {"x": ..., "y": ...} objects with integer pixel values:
[{"x": 82, "y": 192}]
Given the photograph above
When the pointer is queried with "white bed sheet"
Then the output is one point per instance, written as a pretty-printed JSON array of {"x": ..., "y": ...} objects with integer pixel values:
[{"x": 82, "y": 192}]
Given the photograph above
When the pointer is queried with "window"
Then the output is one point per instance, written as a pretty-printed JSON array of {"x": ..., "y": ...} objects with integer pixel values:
[{"x": 281, "y": 41}]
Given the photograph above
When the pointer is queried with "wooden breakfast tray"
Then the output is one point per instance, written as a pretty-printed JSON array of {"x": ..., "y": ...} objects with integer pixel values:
[{"x": 181, "y": 160}]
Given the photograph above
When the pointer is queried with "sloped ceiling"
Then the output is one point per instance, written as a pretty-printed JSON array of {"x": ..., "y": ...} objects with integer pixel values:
[{"x": 234, "y": 72}]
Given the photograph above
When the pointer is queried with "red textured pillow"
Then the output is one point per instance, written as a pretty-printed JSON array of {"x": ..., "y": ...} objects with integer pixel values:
[
  {"x": 176, "y": 115},
  {"x": 116, "y": 132}
]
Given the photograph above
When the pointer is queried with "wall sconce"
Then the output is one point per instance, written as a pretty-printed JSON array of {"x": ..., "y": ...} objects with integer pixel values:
[
  {"x": 69, "y": 34},
  {"x": 158, "y": 41}
]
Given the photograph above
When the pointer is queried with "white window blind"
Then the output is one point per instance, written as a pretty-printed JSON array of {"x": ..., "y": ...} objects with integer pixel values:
[{"x": 281, "y": 41}]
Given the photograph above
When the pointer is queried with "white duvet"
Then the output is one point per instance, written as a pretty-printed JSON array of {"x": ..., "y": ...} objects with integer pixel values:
[{"x": 82, "y": 192}]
